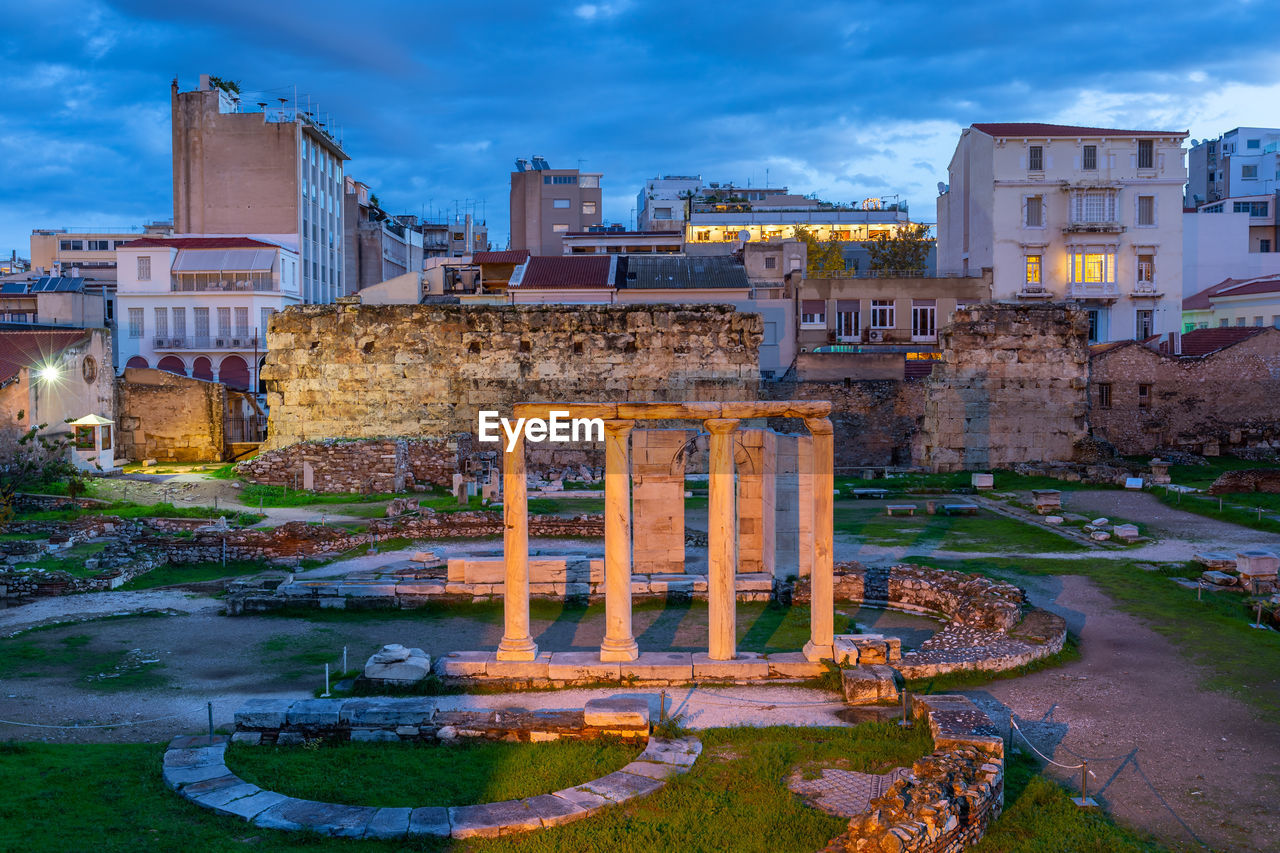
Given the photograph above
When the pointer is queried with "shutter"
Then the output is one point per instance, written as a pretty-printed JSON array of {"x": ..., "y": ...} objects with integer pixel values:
[
  {"x": 843, "y": 305},
  {"x": 813, "y": 306}
]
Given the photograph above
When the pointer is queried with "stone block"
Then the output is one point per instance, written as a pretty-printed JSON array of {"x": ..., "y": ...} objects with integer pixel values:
[
  {"x": 652, "y": 769},
  {"x": 1219, "y": 578},
  {"x": 218, "y": 792},
  {"x": 581, "y": 666},
  {"x": 846, "y": 650},
  {"x": 586, "y": 800},
  {"x": 389, "y": 823},
  {"x": 176, "y": 777},
  {"x": 659, "y": 666},
  {"x": 429, "y": 820},
  {"x": 794, "y": 665},
  {"x": 463, "y": 664},
  {"x": 290, "y": 739},
  {"x": 681, "y": 751},
  {"x": 408, "y": 711},
  {"x": 395, "y": 665},
  {"x": 870, "y": 685},
  {"x": 492, "y": 819},
  {"x": 374, "y": 736},
  {"x": 1214, "y": 560},
  {"x": 263, "y": 713},
  {"x": 1257, "y": 563},
  {"x": 250, "y": 806},
  {"x": 324, "y": 818},
  {"x": 746, "y": 666},
  {"x": 1126, "y": 531},
  {"x": 247, "y": 738},
  {"x": 536, "y": 668},
  {"x": 314, "y": 713},
  {"x": 616, "y": 712},
  {"x": 620, "y": 787},
  {"x": 554, "y": 811},
  {"x": 982, "y": 481}
]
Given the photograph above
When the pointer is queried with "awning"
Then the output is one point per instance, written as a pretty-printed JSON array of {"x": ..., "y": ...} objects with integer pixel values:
[{"x": 224, "y": 260}]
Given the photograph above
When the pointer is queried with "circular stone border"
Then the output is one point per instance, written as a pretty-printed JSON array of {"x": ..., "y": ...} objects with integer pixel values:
[{"x": 195, "y": 766}]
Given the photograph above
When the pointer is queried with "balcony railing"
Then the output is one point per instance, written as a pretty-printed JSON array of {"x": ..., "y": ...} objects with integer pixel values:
[
  {"x": 180, "y": 284},
  {"x": 1034, "y": 291},
  {"x": 885, "y": 274},
  {"x": 1107, "y": 227},
  {"x": 246, "y": 341},
  {"x": 1146, "y": 289},
  {"x": 1093, "y": 290}
]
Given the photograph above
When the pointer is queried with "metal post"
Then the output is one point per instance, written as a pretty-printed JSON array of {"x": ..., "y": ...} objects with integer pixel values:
[
  {"x": 662, "y": 707},
  {"x": 325, "y": 695},
  {"x": 1084, "y": 801},
  {"x": 1257, "y": 622},
  {"x": 905, "y": 722},
  {"x": 344, "y": 658},
  {"x": 1199, "y": 589},
  {"x": 224, "y": 552},
  {"x": 210, "y": 707}
]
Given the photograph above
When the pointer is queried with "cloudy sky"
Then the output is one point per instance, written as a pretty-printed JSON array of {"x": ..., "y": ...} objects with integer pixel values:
[{"x": 435, "y": 100}]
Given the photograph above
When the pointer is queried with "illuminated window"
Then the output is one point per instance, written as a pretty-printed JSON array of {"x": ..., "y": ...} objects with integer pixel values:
[
  {"x": 589, "y": 209},
  {"x": 1089, "y": 157},
  {"x": 1035, "y": 158},
  {"x": 1033, "y": 269},
  {"x": 1093, "y": 267},
  {"x": 1146, "y": 269},
  {"x": 1146, "y": 154}
]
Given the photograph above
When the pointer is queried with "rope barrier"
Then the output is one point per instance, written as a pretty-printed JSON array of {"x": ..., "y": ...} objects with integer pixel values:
[
  {"x": 1025, "y": 740},
  {"x": 93, "y": 726}
]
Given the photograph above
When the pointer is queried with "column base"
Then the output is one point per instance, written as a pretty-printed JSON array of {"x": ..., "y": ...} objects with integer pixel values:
[
  {"x": 815, "y": 653},
  {"x": 525, "y": 649},
  {"x": 618, "y": 651}
]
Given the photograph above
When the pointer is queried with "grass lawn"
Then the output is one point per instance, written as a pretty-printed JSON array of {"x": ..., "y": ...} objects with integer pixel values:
[
  {"x": 71, "y": 560},
  {"x": 277, "y": 496},
  {"x": 78, "y": 658},
  {"x": 1213, "y": 633},
  {"x": 1238, "y": 508},
  {"x": 109, "y": 797},
  {"x": 1005, "y": 481},
  {"x": 984, "y": 532},
  {"x": 412, "y": 774},
  {"x": 179, "y": 573},
  {"x": 128, "y": 509}
]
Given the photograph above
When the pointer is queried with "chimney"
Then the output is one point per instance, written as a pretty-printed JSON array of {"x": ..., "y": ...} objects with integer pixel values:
[{"x": 205, "y": 85}]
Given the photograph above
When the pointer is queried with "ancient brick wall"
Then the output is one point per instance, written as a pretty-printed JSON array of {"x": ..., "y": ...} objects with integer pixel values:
[
  {"x": 875, "y": 421},
  {"x": 370, "y": 371},
  {"x": 1229, "y": 399},
  {"x": 1011, "y": 388},
  {"x": 365, "y": 466},
  {"x": 170, "y": 418}
]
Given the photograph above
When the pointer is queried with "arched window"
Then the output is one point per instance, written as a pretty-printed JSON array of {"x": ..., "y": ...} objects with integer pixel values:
[
  {"x": 202, "y": 368},
  {"x": 234, "y": 372},
  {"x": 173, "y": 364},
  {"x": 136, "y": 361}
]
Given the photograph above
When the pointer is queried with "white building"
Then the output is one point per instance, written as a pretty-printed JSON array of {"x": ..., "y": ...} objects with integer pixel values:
[
  {"x": 199, "y": 306},
  {"x": 1232, "y": 238},
  {"x": 1241, "y": 162},
  {"x": 1071, "y": 213}
]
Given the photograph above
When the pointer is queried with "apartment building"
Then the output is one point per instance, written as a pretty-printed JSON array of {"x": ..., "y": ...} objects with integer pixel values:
[
  {"x": 1092, "y": 215},
  {"x": 664, "y": 203},
  {"x": 86, "y": 252},
  {"x": 199, "y": 306},
  {"x": 1237, "y": 238},
  {"x": 617, "y": 240},
  {"x": 1250, "y": 302},
  {"x": 1241, "y": 162},
  {"x": 270, "y": 171},
  {"x": 376, "y": 245},
  {"x": 548, "y": 203}
]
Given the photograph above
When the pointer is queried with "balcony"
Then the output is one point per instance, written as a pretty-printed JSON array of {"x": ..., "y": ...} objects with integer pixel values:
[
  {"x": 1146, "y": 290},
  {"x": 1099, "y": 227},
  {"x": 1034, "y": 291},
  {"x": 1104, "y": 290},
  {"x": 203, "y": 283},
  {"x": 240, "y": 342}
]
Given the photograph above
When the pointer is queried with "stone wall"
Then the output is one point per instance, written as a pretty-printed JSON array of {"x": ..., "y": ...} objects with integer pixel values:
[
  {"x": 875, "y": 421},
  {"x": 170, "y": 418},
  {"x": 370, "y": 371},
  {"x": 1011, "y": 388},
  {"x": 1229, "y": 399},
  {"x": 364, "y": 466}
]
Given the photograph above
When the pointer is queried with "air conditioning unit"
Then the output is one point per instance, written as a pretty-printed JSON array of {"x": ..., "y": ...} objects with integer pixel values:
[
  {"x": 220, "y": 342},
  {"x": 235, "y": 342},
  {"x": 875, "y": 336}
]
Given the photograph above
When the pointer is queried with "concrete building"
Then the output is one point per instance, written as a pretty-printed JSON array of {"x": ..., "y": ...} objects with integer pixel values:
[
  {"x": 86, "y": 252},
  {"x": 716, "y": 227},
  {"x": 616, "y": 240},
  {"x": 1234, "y": 302},
  {"x": 1233, "y": 238},
  {"x": 376, "y": 245},
  {"x": 1057, "y": 212},
  {"x": 548, "y": 203},
  {"x": 274, "y": 173},
  {"x": 1242, "y": 162},
  {"x": 664, "y": 203},
  {"x": 199, "y": 306},
  {"x": 52, "y": 301}
]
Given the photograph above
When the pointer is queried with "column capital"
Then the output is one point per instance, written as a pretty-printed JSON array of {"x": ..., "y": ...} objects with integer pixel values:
[
  {"x": 721, "y": 426},
  {"x": 618, "y": 426},
  {"x": 819, "y": 426}
]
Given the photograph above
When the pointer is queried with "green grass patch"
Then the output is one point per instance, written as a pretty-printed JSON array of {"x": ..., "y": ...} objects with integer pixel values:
[
  {"x": 50, "y": 652},
  {"x": 128, "y": 509},
  {"x": 278, "y": 496},
  {"x": 1212, "y": 633},
  {"x": 293, "y": 656},
  {"x": 70, "y": 560},
  {"x": 1256, "y": 510},
  {"x": 414, "y": 774},
  {"x": 984, "y": 532},
  {"x": 223, "y": 472},
  {"x": 1202, "y": 476},
  {"x": 171, "y": 574}
]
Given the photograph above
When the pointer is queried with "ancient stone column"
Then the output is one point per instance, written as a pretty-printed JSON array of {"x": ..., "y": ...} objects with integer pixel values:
[
  {"x": 722, "y": 550},
  {"x": 822, "y": 582},
  {"x": 619, "y": 644},
  {"x": 516, "y": 643}
]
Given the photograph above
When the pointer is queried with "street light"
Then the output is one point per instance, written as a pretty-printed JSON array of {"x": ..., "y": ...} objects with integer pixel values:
[{"x": 50, "y": 374}]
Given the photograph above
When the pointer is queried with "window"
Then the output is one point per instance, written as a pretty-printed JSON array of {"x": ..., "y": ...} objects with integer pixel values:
[
  {"x": 1094, "y": 320},
  {"x": 848, "y": 326},
  {"x": 1035, "y": 158},
  {"x": 266, "y": 321},
  {"x": 242, "y": 322},
  {"x": 202, "y": 322},
  {"x": 135, "y": 322},
  {"x": 1089, "y": 157},
  {"x": 179, "y": 322},
  {"x": 1188, "y": 327},
  {"x": 121, "y": 244},
  {"x": 84, "y": 438},
  {"x": 813, "y": 312},
  {"x": 1104, "y": 395},
  {"x": 1250, "y": 172},
  {"x": 106, "y": 436},
  {"x": 99, "y": 245},
  {"x": 1033, "y": 269},
  {"x": 71, "y": 245},
  {"x": 546, "y": 179},
  {"x": 1035, "y": 211},
  {"x": 1146, "y": 154},
  {"x": 224, "y": 322},
  {"x": 1253, "y": 208},
  {"x": 1257, "y": 321},
  {"x": 1264, "y": 245},
  {"x": 1252, "y": 143},
  {"x": 589, "y": 182},
  {"x": 1223, "y": 323},
  {"x": 1275, "y": 320},
  {"x": 1142, "y": 330},
  {"x": 662, "y": 213},
  {"x": 589, "y": 208},
  {"x": 703, "y": 236},
  {"x": 564, "y": 179},
  {"x": 1146, "y": 269},
  {"x": 560, "y": 227},
  {"x": 560, "y": 204},
  {"x": 162, "y": 322},
  {"x": 1239, "y": 321},
  {"x": 1144, "y": 396},
  {"x": 1093, "y": 267},
  {"x": 1094, "y": 206},
  {"x": 1146, "y": 210},
  {"x": 882, "y": 316},
  {"x": 771, "y": 262},
  {"x": 144, "y": 268}
]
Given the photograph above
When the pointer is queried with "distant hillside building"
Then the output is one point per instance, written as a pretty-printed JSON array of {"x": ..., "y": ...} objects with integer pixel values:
[
  {"x": 548, "y": 203},
  {"x": 1087, "y": 214}
]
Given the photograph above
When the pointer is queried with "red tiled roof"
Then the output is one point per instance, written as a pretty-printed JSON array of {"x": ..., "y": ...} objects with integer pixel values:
[
  {"x": 1028, "y": 129},
  {"x": 567, "y": 271},
  {"x": 1199, "y": 342},
  {"x": 198, "y": 243},
  {"x": 510, "y": 256},
  {"x": 1202, "y": 301},
  {"x": 19, "y": 350},
  {"x": 1099, "y": 349}
]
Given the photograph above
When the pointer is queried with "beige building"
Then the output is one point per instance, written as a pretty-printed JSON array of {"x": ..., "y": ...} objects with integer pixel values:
[
  {"x": 52, "y": 301},
  {"x": 1087, "y": 214},
  {"x": 83, "y": 252},
  {"x": 275, "y": 174},
  {"x": 615, "y": 240},
  {"x": 548, "y": 203}
]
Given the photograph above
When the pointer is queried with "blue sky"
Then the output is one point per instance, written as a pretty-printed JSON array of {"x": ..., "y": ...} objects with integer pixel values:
[{"x": 847, "y": 100}]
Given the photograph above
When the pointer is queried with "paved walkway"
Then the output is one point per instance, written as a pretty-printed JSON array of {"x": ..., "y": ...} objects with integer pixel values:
[{"x": 844, "y": 793}]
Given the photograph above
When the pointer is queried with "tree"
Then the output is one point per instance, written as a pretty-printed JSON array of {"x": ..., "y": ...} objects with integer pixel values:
[
  {"x": 822, "y": 254},
  {"x": 29, "y": 460},
  {"x": 905, "y": 251}
]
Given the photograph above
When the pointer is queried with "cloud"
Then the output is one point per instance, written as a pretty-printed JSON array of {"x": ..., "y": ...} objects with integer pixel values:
[{"x": 597, "y": 11}]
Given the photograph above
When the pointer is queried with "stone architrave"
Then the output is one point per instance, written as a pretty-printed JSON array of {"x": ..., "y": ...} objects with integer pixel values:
[
  {"x": 619, "y": 644},
  {"x": 657, "y": 467},
  {"x": 516, "y": 643},
  {"x": 722, "y": 558},
  {"x": 822, "y": 584}
]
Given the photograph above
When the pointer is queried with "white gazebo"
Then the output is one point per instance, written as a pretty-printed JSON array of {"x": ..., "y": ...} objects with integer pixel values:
[{"x": 92, "y": 447}]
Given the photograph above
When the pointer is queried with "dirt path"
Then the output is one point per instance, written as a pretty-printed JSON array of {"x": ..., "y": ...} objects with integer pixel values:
[
  {"x": 1166, "y": 522},
  {"x": 1214, "y": 762}
]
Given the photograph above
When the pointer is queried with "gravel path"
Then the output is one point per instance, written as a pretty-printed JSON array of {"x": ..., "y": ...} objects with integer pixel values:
[{"x": 96, "y": 605}]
